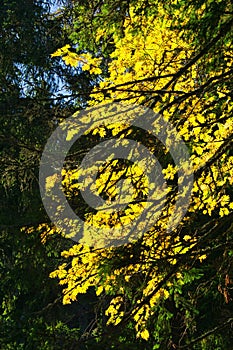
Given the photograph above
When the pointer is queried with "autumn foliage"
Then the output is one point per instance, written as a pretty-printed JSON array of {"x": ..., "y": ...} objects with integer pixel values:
[{"x": 157, "y": 62}]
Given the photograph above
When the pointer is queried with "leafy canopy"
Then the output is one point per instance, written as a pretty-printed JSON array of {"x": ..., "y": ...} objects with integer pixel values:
[{"x": 157, "y": 61}]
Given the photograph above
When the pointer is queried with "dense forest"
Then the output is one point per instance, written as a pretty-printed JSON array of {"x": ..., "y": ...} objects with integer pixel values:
[{"x": 116, "y": 174}]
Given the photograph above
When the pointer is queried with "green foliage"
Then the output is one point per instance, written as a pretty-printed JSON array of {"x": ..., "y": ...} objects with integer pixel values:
[{"x": 31, "y": 105}]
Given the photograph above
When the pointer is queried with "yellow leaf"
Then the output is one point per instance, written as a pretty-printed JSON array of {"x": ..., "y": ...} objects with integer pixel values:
[
  {"x": 99, "y": 290},
  {"x": 145, "y": 334}
]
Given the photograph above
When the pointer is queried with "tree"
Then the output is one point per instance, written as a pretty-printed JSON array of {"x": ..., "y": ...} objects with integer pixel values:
[
  {"x": 32, "y": 102},
  {"x": 158, "y": 286}
]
